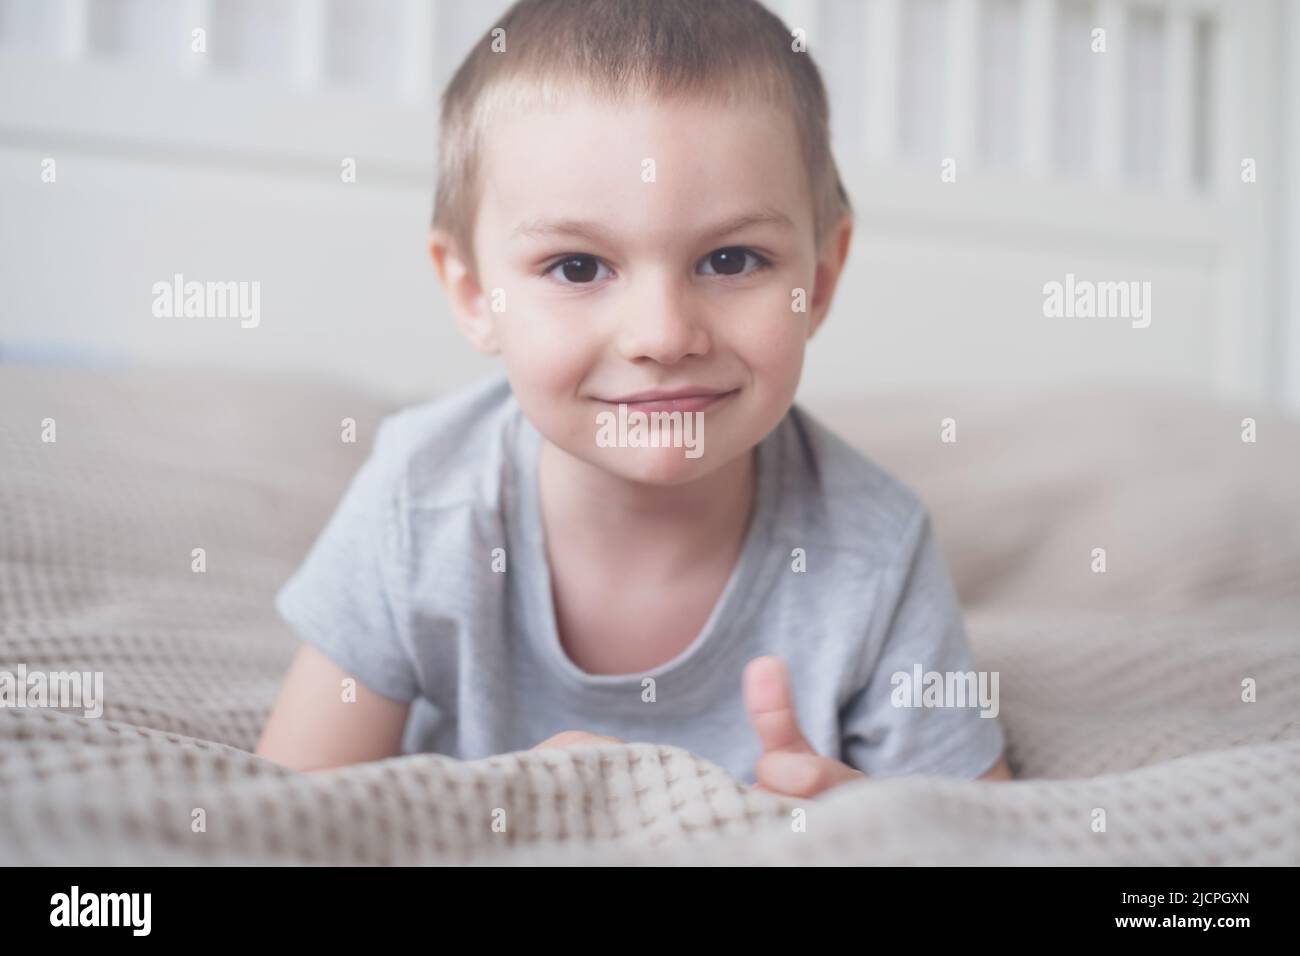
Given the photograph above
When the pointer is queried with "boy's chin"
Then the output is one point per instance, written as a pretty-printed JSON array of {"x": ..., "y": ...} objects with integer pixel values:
[{"x": 656, "y": 466}]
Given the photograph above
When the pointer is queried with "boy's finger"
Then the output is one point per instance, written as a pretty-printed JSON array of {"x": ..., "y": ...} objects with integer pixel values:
[
  {"x": 802, "y": 775},
  {"x": 771, "y": 707}
]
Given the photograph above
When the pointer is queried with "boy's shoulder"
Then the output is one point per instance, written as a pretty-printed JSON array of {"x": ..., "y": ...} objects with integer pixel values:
[
  {"x": 841, "y": 495},
  {"x": 449, "y": 452}
]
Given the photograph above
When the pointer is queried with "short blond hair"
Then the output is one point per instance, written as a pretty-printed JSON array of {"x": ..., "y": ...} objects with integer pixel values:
[{"x": 729, "y": 52}]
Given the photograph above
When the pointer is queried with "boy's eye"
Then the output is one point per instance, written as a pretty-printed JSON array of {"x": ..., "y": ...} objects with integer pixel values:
[
  {"x": 577, "y": 270},
  {"x": 731, "y": 261},
  {"x": 583, "y": 269}
]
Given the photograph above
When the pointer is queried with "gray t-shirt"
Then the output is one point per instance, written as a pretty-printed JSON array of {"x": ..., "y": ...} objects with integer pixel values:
[{"x": 839, "y": 575}]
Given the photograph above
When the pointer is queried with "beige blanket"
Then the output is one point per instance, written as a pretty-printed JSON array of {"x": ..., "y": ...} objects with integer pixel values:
[{"x": 1121, "y": 692}]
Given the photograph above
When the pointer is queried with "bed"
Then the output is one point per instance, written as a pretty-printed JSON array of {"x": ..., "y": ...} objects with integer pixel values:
[{"x": 1122, "y": 692}]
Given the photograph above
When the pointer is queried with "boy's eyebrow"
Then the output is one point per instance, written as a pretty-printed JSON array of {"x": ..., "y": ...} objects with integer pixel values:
[{"x": 595, "y": 232}]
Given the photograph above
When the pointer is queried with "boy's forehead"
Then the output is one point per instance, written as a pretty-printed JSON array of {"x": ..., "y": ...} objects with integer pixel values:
[{"x": 636, "y": 162}]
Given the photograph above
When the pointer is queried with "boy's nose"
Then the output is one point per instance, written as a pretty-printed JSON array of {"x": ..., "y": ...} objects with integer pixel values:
[{"x": 662, "y": 323}]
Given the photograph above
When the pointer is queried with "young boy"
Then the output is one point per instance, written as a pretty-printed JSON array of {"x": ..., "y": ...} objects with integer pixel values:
[{"x": 638, "y": 211}]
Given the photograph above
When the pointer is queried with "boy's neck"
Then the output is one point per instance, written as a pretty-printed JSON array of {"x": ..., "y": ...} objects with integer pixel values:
[{"x": 671, "y": 526}]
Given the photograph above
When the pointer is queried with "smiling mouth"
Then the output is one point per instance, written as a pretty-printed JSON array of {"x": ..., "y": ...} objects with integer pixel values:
[{"x": 697, "y": 402}]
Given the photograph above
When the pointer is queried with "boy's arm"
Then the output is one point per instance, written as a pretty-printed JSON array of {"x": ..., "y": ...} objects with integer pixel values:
[
  {"x": 315, "y": 726},
  {"x": 999, "y": 771},
  {"x": 919, "y": 626}
]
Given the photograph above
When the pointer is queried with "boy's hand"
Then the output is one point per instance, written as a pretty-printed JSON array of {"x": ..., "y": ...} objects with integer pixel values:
[
  {"x": 789, "y": 764},
  {"x": 575, "y": 738}
]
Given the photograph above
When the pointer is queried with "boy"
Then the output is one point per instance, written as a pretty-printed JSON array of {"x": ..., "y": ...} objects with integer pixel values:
[{"x": 638, "y": 212}]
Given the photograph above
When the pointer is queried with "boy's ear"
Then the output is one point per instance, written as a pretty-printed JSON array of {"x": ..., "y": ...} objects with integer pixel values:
[
  {"x": 832, "y": 255},
  {"x": 468, "y": 304}
]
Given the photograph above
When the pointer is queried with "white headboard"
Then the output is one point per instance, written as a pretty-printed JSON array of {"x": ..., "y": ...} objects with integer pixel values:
[{"x": 225, "y": 163}]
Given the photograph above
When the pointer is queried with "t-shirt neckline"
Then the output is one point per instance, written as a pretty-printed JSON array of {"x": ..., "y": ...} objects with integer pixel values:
[{"x": 730, "y": 610}]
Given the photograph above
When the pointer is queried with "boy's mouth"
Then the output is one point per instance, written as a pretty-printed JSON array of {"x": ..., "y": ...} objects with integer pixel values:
[{"x": 688, "y": 399}]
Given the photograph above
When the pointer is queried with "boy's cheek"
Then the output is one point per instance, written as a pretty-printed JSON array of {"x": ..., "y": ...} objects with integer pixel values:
[
  {"x": 541, "y": 371},
  {"x": 772, "y": 345},
  {"x": 542, "y": 346}
]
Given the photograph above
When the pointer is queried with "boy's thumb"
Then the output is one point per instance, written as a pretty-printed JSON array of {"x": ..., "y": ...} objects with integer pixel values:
[{"x": 770, "y": 703}]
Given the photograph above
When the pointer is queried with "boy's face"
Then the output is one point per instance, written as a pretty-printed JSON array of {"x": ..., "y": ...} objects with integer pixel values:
[{"x": 614, "y": 237}]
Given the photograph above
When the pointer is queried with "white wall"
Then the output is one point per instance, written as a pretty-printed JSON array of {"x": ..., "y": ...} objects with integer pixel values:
[
  {"x": 225, "y": 165},
  {"x": 1289, "y": 206}
]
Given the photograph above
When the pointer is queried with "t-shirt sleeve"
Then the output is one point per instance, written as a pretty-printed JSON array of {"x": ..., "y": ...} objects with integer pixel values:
[
  {"x": 918, "y": 629},
  {"x": 341, "y": 599}
]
